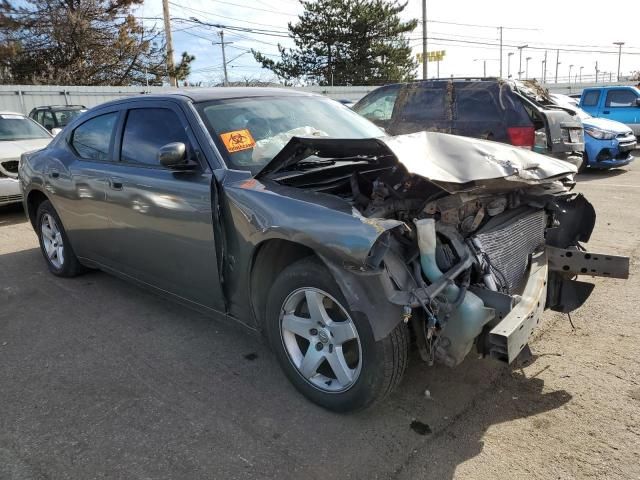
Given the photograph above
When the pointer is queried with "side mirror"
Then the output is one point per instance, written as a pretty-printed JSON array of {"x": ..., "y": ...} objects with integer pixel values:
[
  {"x": 174, "y": 156},
  {"x": 55, "y": 131}
]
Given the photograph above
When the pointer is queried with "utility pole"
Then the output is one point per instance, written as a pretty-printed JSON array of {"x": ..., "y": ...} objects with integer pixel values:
[
  {"x": 500, "y": 28},
  {"x": 520, "y": 64},
  {"x": 224, "y": 58},
  {"x": 167, "y": 33},
  {"x": 581, "y": 67},
  {"x": 527, "y": 68},
  {"x": 509, "y": 55},
  {"x": 424, "y": 40},
  {"x": 619, "y": 55},
  {"x": 544, "y": 73},
  {"x": 596, "y": 72},
  {"x": 557, "y": 63}
]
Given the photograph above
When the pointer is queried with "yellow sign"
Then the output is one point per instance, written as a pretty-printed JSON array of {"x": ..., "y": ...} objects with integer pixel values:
[
  {"x": 435, "y": 56},
  {"x": 238, "y": 140}
]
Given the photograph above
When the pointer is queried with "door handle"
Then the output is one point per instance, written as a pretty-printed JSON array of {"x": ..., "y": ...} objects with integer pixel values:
[
  {"x": 115, "y": 183},
  {"x": 54, "y": 173},
  {"x": 606, "y": 112}
]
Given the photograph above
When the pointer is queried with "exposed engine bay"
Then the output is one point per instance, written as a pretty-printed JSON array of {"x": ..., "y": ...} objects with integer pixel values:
[{"x": 475, "y": 267}]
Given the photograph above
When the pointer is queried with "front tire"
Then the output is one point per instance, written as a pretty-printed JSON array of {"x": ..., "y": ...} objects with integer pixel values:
[
  {"x": 326, "y": 351},
  {"x": 54, "y": 243}
]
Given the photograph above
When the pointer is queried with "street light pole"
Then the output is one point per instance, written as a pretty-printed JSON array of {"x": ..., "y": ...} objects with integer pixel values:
[
  {"x": 527, "y": 68},
  {"x": 570, "y": 68},
  {"x": 520, "y": 64},
  {"x": 620, "y": 44},
  {"x": 542, "y": 71},
  {"x": 581, "y": 67},
  {"x": 509, "y": 64},
  {"x": 557, "y": 63}
]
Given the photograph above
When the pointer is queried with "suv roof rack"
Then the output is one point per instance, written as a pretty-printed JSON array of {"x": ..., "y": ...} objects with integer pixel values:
[
  {"x": 49, "y": 107},
  {"x": 469, "y": 79}
]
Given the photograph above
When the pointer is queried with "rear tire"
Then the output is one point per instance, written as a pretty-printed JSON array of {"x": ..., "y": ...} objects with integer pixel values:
[
  {"x": 54, "y": 243},
  {"x": 335, "y": 362}
]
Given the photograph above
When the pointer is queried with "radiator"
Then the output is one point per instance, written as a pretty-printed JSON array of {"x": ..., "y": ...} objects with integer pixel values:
[{"x": 509, "y": 239}]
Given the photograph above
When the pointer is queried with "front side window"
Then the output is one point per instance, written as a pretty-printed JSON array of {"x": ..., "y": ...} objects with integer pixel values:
[
  {"x": 148, "y": 129},
  {"x": 91, "y": 140},
  {"x": 620, "y": 98},
  {"x": 378, "y": 105},
  {"x": 47, "y": 120},
  {"x": 251, "y": 131},
  {"x": 591, "y": 98},
  {"x": 19, "y": 127}
]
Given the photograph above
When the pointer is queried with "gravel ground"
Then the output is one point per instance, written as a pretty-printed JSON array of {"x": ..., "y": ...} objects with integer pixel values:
[{"x": 99, "y": 379}]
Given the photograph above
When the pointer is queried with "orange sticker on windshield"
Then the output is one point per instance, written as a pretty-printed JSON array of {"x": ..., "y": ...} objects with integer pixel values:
[{"x": 238, "y": 140}]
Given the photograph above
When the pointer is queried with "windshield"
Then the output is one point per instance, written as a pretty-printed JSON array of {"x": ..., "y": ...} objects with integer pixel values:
[
  {"x": 17, "y": 127},
  {"x": 65, "y": 116},
  {"x": 251, "y": 131},
  {"x": 569, "y": 105}
]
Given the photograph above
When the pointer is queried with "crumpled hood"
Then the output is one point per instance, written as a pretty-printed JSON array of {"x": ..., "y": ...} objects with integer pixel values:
[
  {"x": 14, "y": 148},
  {"x": 438, "y": 157},
  {"x": 606, "y": 124}
]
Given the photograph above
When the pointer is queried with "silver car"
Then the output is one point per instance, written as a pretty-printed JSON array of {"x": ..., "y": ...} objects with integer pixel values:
[
  {"x": 18, "y": 134},
  {"x": 296, "y": 217}
]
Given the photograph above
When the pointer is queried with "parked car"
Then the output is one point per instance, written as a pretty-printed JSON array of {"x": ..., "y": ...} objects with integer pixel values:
[
  {"x": 490, "y": 109},
  {"x": 618, "y": 103},
  {"x": 608, "y": 144},
  {"x": 18, "y": 134},
  {"x": 55, "y": 117},
  {"x": 295, "y": 216}
]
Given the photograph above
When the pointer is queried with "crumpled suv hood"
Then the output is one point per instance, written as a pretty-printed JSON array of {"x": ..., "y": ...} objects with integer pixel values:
[{"x": 438, "y": 157}]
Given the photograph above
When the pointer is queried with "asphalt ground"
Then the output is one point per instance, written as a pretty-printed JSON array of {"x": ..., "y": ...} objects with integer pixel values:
[{"x": 101, "y": 379}]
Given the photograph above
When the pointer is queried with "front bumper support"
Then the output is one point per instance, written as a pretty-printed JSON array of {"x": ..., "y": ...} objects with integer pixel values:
[{"x": 511, "y": 335}]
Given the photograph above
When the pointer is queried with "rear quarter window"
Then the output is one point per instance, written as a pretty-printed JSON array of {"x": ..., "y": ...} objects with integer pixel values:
[{"x": 591, "y": 98}]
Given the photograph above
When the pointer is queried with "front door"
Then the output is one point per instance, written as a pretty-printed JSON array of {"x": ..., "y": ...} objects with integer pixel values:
[
  {"x": 621, "y": 105},
  {"x": 161, "y": 229}
]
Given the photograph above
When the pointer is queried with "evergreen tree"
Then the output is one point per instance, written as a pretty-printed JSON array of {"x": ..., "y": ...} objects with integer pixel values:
[
  {"x": 80, "y": 42},
  {"x": 346, "y": 42}
]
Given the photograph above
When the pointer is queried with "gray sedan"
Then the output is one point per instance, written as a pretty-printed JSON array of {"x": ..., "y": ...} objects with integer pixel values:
[{"x": 291, "y": 214}]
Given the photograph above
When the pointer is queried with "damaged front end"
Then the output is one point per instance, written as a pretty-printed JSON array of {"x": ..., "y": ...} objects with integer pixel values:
[{"x": 490, "y": 236}]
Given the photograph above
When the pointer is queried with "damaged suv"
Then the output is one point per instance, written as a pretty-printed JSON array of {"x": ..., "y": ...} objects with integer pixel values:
[{"x": 300, "y": 219}]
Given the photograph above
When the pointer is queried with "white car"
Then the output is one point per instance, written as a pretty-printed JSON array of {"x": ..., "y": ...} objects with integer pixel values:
[{"x": 18, "y": 134}]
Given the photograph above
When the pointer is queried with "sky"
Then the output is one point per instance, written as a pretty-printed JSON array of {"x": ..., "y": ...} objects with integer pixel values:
[{"x": 467, "y": 30}]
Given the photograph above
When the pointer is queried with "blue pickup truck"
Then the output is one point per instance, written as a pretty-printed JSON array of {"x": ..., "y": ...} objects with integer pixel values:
[{"x": 618, "y": 103}]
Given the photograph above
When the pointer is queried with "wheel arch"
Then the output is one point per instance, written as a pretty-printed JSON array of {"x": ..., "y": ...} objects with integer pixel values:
[
  {"x": 270, "y": 258},
  {"x": 34, "y": 199}
]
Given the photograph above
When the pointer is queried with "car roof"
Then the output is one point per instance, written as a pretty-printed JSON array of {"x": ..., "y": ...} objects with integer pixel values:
[
  {"x": 60, "y": 107},
  {"x": 197, "y": 95},
  {"x": 7, "y": 112}
]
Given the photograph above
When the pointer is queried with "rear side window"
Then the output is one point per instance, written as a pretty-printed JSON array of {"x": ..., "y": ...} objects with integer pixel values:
[
  {"x": 91, "y": 140},
  {"x": 620, "y": 98},
  {"x": 424, "y": 103},
  {"x": 148, "y": 129},
  {"x": 591, "y": 98}
]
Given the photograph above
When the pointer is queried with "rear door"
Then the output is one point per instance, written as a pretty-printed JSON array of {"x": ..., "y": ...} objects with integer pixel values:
[
  {"x": 76, "y": 175},
  {"x": 621, "y": 105},
  {"x": 161, "y": 230}
]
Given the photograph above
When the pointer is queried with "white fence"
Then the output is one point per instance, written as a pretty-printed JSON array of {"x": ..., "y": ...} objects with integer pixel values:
[{"x": 22, "y": 98}]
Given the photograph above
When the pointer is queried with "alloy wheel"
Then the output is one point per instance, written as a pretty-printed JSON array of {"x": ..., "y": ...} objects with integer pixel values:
[
  {"x": 321, "y": 340},
  {"x": 52, "y": 240}
]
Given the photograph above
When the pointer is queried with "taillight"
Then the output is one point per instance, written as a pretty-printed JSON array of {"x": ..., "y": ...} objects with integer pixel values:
[{"x": 522, "y": 136}]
